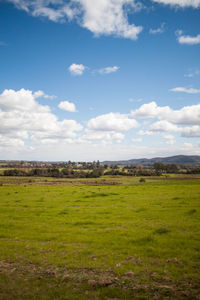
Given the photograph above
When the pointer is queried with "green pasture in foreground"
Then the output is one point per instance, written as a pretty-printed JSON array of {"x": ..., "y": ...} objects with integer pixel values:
[{"x": 136, "y": 241}]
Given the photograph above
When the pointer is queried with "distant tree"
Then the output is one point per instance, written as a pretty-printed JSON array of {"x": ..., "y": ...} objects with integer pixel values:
[{"x": 172, "y": 168}]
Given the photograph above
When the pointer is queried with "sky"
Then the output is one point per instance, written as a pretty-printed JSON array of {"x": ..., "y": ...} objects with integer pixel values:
[{"x": 86, "y": 80}]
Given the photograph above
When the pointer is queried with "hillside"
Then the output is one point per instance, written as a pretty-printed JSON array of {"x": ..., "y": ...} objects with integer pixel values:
[{"x": 177, "y": 159}]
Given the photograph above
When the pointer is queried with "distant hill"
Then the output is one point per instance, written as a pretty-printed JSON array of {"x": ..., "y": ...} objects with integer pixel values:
[{"x": 177, "y": 159}]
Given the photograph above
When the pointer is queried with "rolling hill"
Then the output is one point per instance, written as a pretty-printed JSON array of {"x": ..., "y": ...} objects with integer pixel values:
[{"x": 177, "y": 159}]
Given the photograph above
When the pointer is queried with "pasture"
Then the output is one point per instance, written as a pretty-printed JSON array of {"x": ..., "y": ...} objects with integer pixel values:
[{"x": 103, "y": 239}]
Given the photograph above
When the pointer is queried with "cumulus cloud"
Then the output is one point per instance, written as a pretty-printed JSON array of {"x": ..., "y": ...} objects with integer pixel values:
[
  {"x": 169, "y": 137},
  {"x": 109, "y": 70},
  {"x": 41, "y": 94},
  {"x": 180, "y": 3},
  {"x": 186, "y": 115},
  {"x": 112, "y": 122},
  {"x": 190, "y": 132},
  {"x": 107, "y": 17},
  {"x": 158, "y": 30},
  {"x": 101, "y": 136},
  {"x": 22, "y": 100},
  {"x": 22, "y": 118},
  {"x": 150, "y": 110},
  {"x": 68, "y": 106},
  {"x": 189, "y": 40},
  {"x": 185, "y": 90},
  {"x": 32, "y": 128},
  {"x": 164, "y": 126},
  {"x": 76, "y": 69}
]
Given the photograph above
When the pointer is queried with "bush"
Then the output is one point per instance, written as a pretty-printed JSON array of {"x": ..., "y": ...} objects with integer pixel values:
[{"x": 142, "y": 180}]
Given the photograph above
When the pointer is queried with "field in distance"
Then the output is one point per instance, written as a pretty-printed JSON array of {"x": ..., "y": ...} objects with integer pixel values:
[{"x": 105, "y": 238}]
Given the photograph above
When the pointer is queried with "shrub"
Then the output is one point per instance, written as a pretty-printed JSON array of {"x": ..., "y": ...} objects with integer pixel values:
[{"x": 142, "y": 180}]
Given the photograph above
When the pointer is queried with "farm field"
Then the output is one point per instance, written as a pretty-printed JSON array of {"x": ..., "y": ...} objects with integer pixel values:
[{"x": 105, "y": 238}]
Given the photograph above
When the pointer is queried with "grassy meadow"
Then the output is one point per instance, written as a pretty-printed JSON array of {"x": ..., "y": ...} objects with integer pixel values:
[{"x": 112, "y": 238}]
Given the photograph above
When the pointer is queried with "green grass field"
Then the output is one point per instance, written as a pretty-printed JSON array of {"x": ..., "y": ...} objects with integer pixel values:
[{"x": 77, "y": 241}]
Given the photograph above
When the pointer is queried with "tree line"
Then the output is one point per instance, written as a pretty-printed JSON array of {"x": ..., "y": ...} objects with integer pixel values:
[{"x": 96, "y": 170}]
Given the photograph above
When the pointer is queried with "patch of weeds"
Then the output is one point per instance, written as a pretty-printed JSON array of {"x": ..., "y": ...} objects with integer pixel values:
[
  {"x": 100, "y": 195},
  {"x": 176, "y": 198},
  {"x": 182, "y": 202},
  {"x": 143, "y": 241},
  {"x": 161, "y": 230},
  {"x": 2, "y": 236},
  {"x": 63, "y": 212},
  {"x": 191, "y": 211},
  {"x": 142, "y": 180},
  {"x": 97, "y": 195},
  {"x": 84, "y": 223},
  {"x": 41, "y": 199},
  {"x": 141, "y": 209}
]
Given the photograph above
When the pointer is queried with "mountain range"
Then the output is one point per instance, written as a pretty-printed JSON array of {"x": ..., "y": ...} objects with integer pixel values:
[{"x": 177, "y": 159}]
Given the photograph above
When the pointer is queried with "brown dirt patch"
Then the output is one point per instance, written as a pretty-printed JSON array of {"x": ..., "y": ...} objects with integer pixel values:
[{"x": 162, "y": 288}]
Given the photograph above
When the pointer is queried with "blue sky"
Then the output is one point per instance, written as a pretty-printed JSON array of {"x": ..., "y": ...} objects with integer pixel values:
[{"x": 104, "y": 79}]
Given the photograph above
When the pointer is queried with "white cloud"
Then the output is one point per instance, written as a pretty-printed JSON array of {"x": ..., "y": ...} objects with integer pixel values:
[
  {"x": 137, "y": 140},
  {"x": 109, "y": 70},
  {"x": 180, "y": 3},
  {"x": 102, "y": 136},
  {"x": 29, "y": 130},
  {"x": 76, "y": 69},
  {"x": 164, "y": 126},
  {"x": 193, "y": 131},
  {"x": 146, "y": 132},
  {"x": 108, "y": 17},
  {"x": 179, "y": 32},
  {"x": 23, "y": 100},
  {"x": 68, "y": 106},
  {"x": 22, "y": 118},
  {"x": 186, "y": 115},
  {"x": 112, "y": 122},
  {"x": 192, "y": 73},
  {"x": 50, "y": 13},
  {"x": 169, "y": 137},
  {"x": 41, "y": 94},
  {"x": 185, "y": 90},
  {"x": 158, "y": 30},
  {"x": 150, "y": 110},
  {"x": 101, "y": 17},
  {"x": 189, "y": 40}
]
